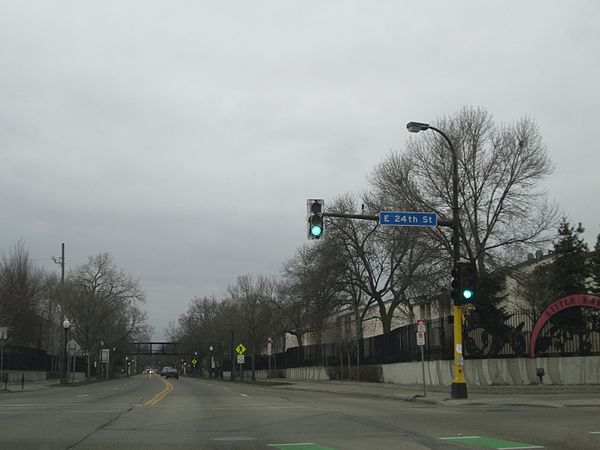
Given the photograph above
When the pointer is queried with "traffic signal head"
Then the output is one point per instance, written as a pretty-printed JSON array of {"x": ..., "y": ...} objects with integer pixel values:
[
  {"x": 468, "y": 282},
  {"x": 464, "y": 283},
  {"x": 314, "y": 212}
]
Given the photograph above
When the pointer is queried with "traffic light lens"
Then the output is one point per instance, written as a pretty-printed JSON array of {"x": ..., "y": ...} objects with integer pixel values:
[
  {"x": 316, "y": 230},
  {"x": 467, "y": 293}
]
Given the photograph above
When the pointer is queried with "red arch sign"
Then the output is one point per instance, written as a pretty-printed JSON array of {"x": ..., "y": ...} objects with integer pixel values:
[{"x": 570, "y": 301}]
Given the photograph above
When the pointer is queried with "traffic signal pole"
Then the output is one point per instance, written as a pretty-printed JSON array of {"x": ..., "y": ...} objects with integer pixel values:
[{"x": 459, "y": 385}]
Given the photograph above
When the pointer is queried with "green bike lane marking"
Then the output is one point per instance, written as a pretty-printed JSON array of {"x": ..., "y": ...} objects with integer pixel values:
[
  {"x": 300, "y": 446},
  {"x": 498, "y": 444}
]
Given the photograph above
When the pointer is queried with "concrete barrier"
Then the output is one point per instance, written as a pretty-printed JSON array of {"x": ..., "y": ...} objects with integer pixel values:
[
  {"x": 478, "y": 372},
  {"x": 14, "y": 376}
]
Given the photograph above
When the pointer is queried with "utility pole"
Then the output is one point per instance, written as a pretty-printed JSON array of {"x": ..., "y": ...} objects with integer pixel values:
[{"x": 62, "y": 264}]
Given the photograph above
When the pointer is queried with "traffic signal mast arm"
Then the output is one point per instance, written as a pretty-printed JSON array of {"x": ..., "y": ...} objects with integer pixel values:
[
  {"x": 441, "y": 223},
  {"x": 351, "y": 216}
]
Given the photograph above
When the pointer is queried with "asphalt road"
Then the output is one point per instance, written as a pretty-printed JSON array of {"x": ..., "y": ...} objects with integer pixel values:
[{"x": 148, "y": 412}]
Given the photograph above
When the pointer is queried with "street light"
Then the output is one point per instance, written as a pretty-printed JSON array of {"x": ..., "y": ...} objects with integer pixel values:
[
  {"x": 459, "y": 385},
  {"x": 210, "y": 369},
  {"x": 66, "y": 326}
]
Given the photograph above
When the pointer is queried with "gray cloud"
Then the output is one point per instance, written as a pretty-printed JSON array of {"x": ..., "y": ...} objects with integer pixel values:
[{"x": 185, "y": 138}]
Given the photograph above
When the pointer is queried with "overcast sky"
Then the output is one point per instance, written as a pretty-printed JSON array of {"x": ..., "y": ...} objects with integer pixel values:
[{"x": 185, "y": 137}]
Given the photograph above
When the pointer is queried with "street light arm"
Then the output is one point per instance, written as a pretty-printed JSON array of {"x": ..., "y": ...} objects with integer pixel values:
[{"x": 455, "y": 207}]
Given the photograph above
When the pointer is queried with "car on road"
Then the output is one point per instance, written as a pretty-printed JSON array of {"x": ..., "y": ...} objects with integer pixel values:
[{"x": 171, "y": 373}]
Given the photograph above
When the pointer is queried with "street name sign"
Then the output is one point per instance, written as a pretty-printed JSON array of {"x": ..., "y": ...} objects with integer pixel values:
[
  {"x": 240, "y": 349},
  {"x": 407, "y": 219}
]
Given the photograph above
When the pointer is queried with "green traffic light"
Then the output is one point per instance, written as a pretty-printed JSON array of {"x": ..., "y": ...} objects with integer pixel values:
[
  {"x": 316, "y": 230},
  {"x": 467, "y": 293}
]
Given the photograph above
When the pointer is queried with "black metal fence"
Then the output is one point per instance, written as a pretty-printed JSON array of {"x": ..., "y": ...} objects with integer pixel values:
[
  {"x": 28, "y": 358},
  {"x": 570, "y": 333}
]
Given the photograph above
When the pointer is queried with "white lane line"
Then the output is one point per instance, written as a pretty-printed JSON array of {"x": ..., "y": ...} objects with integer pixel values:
[
  {"x": 243, "y": 395},
  {"x": 519, "y": 448},
  {"x": 289, "y": 445},
  {"x": 462, "y": 437},
  {"x": 594, "y": 432},
  {"x": 227, "y": 389},
  {"x": 80, "y": 396}
]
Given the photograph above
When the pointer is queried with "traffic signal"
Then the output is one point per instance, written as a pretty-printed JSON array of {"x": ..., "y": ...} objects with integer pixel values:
[
  {"x": 468, "y": 282},
  {"x": 314, "y": 212},
  {"x": 464, "y": 283}
]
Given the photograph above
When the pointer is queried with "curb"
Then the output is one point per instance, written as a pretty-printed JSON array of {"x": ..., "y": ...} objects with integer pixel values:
[{"x": 418, "y": 398}]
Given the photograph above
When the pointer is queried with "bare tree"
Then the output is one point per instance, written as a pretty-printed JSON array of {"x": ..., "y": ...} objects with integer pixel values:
[
  {"x": 390, "y": 266},
  {"x": 310, "y": 289},
  {"x": 103, "y": 302},
  {"x": 503, "y": 209},
  {"x": 24, "y": 301},
  {"x": 253, "y": 299}
]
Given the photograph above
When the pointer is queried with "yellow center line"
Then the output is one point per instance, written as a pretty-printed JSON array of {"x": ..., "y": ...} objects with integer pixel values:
[{"x": 162, "y": 394}]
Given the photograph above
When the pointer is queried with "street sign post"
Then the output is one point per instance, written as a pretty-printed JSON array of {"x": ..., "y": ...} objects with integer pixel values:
[
  {"x": 240, "y": 359},
  {"x": 407, "y": 219},
  {"x": 3, "y": 337},
  {"x": 421, "y": 327}
]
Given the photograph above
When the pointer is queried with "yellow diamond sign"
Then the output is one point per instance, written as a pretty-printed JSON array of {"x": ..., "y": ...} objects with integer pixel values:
[{"x": 240, "y": 349}]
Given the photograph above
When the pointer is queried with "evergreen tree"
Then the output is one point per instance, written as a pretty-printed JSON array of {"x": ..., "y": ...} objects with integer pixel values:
[
  {"x": 595, "y": 266},
  {"x": 570, "y": 268},
  {"x": 569, "y": 272}
]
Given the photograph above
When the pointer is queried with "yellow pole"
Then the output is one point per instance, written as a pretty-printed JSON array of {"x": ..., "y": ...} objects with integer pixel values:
[{"x": 459, "y": 385}]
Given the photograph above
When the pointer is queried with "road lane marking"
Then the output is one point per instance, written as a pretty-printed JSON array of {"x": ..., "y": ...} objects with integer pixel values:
[
  {"x": 80, "y": 396},
  {"x": 498, "y": 444},
  {"x": 162, "y": 394},
  {"x": 594, "y": 432},
  {"x": 243, "y": 395},
  {"x": 301, "y": 446}
]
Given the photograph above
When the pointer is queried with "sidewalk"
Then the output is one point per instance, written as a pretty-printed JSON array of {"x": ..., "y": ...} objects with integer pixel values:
[
  {"x": 535, "y": 395},
  {"x": 29, "y": 386}
]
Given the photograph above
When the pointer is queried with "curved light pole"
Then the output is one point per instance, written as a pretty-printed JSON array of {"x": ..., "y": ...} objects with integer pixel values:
[
  {"x": 66, "y": 326},
  {"x": 210, "y": 368},
  {"x": 459, "y": 385}
]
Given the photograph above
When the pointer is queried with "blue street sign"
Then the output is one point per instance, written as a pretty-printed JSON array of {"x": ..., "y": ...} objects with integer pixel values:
[{"x": 407, "y": 219}]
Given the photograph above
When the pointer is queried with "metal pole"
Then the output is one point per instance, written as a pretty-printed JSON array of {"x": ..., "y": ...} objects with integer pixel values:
[
  {"x": 62, "y": 264},
  {"x": 1, "y": 358},
  {"x": 66, "y": 359},
  {"x": 232, "y": 358},
  {"x": 423, "y": 370},
  {"x": 459, "y": 385}
]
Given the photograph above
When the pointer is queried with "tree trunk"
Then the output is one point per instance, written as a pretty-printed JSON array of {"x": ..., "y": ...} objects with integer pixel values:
[
  {"x": 349, "y": 375},
  {"x": 89, "y": 365},
  {"x": 386, "y": 322}
]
